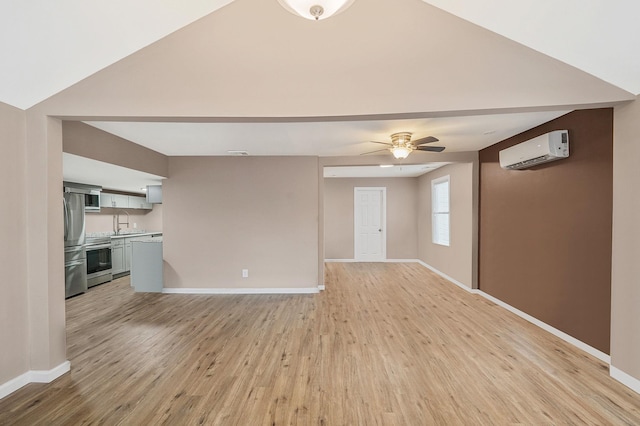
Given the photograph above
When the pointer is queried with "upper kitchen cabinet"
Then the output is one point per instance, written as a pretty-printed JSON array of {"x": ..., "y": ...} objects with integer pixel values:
[
  {"x": 124, "y": 201},
  {"x": 106, "y": 200},
  {"x": 139, "y": 203},
  {"x": 114, "y": 200}
]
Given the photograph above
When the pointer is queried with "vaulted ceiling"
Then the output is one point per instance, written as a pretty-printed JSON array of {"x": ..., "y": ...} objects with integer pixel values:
[
  {"x": 48, "y": 46},
  {"x": 143, "y": 69}
]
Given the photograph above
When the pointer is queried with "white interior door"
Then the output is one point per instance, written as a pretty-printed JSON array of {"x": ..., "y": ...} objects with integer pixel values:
[{"x": 369, "y": 224}]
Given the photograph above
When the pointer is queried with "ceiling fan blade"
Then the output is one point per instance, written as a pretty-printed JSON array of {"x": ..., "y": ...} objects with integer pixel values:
[
  {"x": 371, "y": 152},
  {"x": 383, "y": 143},
  {"x": 428, "y": 139},
  {"x": 430, "y": 148}
]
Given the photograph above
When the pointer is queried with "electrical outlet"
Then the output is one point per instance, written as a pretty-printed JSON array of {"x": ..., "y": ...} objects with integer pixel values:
[
  {"x": 135, "y": 225},
  {"x": 245, "y": 273}
]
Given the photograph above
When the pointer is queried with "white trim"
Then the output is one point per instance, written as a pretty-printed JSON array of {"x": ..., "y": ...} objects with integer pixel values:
[
  {"x": 447, "y": 277},
  {"x": 321, "y": 287},
  {"x": 373, "y": 261},
  {"x": 561, "y": 334},
  {"x": 302, "y": 290},
  {"x": 383, "y": 220},
  {"x": 624, "y": 378},
  {"x": 48, "y": 376},
  {"x": 14, "y": 384},
  {"x": 34, "y": 376},
  {"x": 434, "y": 183}
]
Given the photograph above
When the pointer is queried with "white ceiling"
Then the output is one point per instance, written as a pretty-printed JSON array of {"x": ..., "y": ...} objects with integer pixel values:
[
  {"x": 48, "y": 46},
  {"x": 337, "y": 138},
  {"x": 599, "y": 37}
]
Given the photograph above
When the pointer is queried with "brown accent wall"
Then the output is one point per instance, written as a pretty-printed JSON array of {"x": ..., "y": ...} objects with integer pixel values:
[
  {"x": 545, "y": 232},
  {"x": 402, "y": 220}
]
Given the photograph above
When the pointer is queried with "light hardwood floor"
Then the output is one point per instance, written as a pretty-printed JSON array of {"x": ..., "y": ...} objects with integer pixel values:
[{"x": 385, "y": 344}]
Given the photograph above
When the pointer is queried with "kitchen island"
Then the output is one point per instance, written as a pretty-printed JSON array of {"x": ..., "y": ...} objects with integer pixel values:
[{"x": 146, "y": 264}]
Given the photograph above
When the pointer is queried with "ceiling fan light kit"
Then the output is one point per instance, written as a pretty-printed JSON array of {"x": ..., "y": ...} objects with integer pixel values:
[
  {"x": 401, "y": 145},
  {"x": 400, "y": 152},
  {"x": 315, "y": 10}
]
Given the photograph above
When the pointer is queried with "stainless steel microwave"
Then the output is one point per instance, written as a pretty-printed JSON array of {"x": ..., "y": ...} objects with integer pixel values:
[
  {"x": 91, "y": 194},
  {"x": 92, "y": 201}
]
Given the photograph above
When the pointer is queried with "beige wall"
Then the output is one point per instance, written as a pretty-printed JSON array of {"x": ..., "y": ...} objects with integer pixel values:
[
  {"x": 188, "y": 74},
  {"x": 402, "y": 209},
  {"x": 14, "y": 319},
  {"x": 45, "y": 242},
  {"x": 148, "y": 84},
  {"x": 149, "y": 220},
  {"x": 87, "y": 141},
  {"x": 458, "y": 259},
  {"x": 625, "y": 288},
  {"x": 225, "y": 214}
]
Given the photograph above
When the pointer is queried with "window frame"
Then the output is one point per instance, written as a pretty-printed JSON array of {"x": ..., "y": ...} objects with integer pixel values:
[{"x": 434, "y": 202}]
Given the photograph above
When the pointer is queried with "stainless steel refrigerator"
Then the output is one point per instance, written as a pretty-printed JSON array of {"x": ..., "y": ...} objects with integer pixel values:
[{"x": 75, "y": 258}]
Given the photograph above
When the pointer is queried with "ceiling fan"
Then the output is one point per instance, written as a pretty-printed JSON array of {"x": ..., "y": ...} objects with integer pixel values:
[{"x": 401, "y": 145}]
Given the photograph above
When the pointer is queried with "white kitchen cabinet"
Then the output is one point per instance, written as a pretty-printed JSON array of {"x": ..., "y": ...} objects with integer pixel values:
[
  {"x": 114, "y": 200},
  {"x": 127, "y": 251},
  {"x": 139, "y": 203},
  {"x": 106, "y": 200},
  {"x": 118, "y": 262},
  {"x": 120, "y": 201}
]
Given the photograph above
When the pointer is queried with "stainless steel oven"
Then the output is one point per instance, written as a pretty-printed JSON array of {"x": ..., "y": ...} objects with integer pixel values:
[{"x": 99, "y": 267}]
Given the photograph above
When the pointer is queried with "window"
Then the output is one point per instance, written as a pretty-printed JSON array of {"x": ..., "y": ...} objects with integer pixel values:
[{"x": 440, "y": 210}]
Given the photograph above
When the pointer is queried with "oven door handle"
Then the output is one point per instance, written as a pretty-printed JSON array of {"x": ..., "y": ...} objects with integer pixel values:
[{"x": 98, "y": 247}]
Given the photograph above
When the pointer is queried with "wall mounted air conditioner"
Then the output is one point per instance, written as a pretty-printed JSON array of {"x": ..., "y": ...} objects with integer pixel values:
[{"x": 548, "y": 147}]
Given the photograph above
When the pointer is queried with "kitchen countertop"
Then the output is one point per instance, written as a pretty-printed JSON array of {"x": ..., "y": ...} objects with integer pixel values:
[{"x": 142, "y": 234}]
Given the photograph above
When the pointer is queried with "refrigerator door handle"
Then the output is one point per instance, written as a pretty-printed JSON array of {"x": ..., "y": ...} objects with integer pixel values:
[{"x": 66, "y": 218}]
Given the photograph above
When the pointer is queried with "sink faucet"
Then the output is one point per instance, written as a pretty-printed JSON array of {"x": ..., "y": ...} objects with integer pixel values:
[{"x": 117, "y": 223}]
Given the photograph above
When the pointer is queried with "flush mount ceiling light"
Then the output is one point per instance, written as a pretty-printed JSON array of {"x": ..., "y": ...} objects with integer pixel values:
[{"x": 315, "y": 9}]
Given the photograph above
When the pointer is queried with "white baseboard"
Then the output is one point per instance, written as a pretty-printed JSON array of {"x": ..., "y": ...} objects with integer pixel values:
[
  {"x": 624, "y": 378},
  {"x": 321, "y": 287},
  {"x": 34, "y": 376},
  {"x": 558, "y": 333},
  {"x": 303, "y": 290},
  {"x": 445, "y": 276},
  {"x": 373, "y": 261},
  {"x": 14, "y": 384},
  {"x": 340, "y": 260}
]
